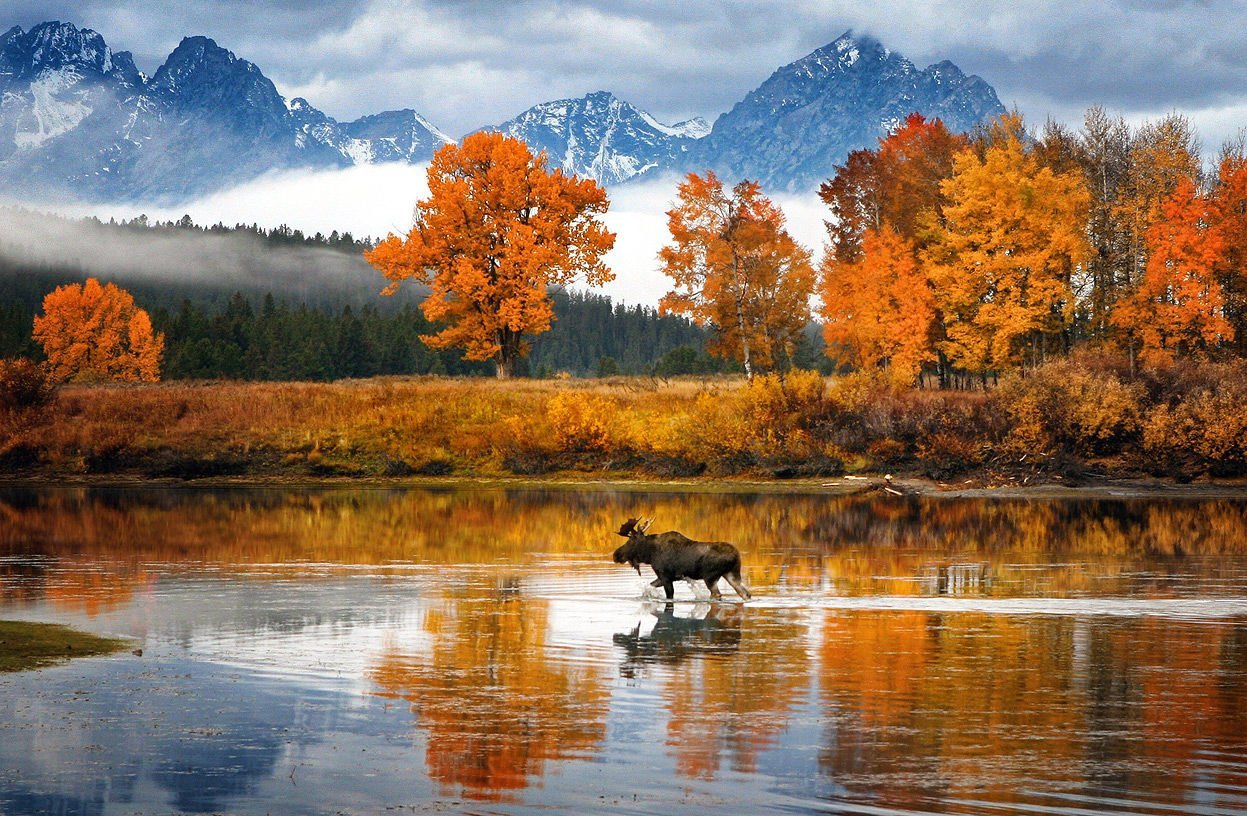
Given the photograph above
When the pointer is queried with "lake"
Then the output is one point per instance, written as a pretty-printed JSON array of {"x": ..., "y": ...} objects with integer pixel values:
[{"x": 474, "y": 650}]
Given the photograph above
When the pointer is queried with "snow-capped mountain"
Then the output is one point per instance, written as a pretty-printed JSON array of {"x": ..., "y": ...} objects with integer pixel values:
[
  {"x": 601, "y": 136},
  {"x": 793, "y": 130},
  {"x": 77, "y": 119}
]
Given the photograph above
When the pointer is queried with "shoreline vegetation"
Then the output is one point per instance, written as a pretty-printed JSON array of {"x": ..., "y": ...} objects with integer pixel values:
[
  {"x": 1076, "y": 422},
  {"x": 26, "y": 645}
]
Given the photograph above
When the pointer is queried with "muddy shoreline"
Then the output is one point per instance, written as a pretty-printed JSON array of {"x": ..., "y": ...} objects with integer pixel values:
[{"x": 1042, "y": 488}]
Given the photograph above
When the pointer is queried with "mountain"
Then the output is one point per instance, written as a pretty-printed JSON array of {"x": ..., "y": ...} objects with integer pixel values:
[
  {"x": 78, "y": 120},
  {"x": 793, "y": 130},
  {"x": 602, "y": 136}
]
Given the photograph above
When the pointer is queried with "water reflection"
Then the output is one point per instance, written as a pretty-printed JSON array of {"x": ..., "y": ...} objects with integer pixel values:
[
  {"x": 315, "y": 651},
  {"x": 666, "y": 637},
  {"x": 496, "y": 702}
]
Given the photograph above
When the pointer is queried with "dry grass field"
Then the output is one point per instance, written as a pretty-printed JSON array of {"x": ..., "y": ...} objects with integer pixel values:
[{"x": 1067, "y": 417}]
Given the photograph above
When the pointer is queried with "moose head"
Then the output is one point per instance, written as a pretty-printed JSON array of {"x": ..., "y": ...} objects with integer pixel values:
[{"x": 635, "y": 550}]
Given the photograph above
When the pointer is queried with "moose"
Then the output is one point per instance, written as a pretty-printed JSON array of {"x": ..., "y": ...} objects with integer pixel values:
[{"x": 675, "y": 556}]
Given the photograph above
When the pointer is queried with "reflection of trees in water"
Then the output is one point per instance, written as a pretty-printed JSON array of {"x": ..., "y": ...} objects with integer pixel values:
[
  {"x": 932, "y": 706},
  {"x": 495, "y": 700}
]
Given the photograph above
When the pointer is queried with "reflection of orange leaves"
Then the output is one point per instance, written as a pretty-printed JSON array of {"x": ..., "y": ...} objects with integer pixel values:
[
  {"x": 495, "y": 703},
  {"x": 94, "y": 592},
  {"x": 875, "y": 660}
]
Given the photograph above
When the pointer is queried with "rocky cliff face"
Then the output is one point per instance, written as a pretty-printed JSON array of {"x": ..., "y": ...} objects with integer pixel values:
[{"x": 602, "y": 136}]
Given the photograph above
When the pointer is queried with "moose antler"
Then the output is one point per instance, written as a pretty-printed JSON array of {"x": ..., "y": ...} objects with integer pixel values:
[
  {"x": 627, "y": 527},
  {"x": 645, "y": 525}
]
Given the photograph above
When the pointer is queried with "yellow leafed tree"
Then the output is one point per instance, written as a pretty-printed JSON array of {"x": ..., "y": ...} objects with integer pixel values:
[
  {"x": 92, "y": 332},
  {"x": 496, "y": 231},
  {"x": 736, "y": 268},
  {"x": 1000, "y": 265}
]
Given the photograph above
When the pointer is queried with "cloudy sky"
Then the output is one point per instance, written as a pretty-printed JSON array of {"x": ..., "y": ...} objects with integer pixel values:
[{"x": 466, "y": 63}]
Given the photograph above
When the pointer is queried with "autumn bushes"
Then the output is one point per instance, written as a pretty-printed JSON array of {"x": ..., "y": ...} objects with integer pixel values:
[{"x": 1084, "y": 414}]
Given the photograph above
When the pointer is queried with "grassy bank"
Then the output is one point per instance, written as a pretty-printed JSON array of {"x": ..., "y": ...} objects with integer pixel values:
[
  {"x": 26, "y": 645},
  {"x": 1067, "y": 419}
]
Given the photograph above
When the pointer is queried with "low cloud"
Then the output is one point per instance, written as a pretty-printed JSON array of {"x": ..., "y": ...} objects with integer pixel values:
[
  {"x": 372, "y": 201},
  {"x": 177, "y": 259}
]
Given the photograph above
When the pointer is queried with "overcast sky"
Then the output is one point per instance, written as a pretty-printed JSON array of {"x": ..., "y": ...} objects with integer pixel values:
[{"x": 465, "y": 63}]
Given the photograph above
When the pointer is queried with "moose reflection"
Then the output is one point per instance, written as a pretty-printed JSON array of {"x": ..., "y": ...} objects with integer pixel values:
[
  {"x": 675, "y": 556},
  {"x": 707, "y": 630}
]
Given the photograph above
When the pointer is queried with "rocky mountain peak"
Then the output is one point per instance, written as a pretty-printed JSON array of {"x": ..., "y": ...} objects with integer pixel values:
[{"x": 53, "y": 46}]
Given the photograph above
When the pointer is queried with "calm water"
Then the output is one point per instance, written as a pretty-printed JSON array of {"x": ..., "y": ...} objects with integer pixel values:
[{"x": 476, "y": 651}]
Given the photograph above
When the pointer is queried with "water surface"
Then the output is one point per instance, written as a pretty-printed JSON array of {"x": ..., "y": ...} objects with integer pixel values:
[{"x": 475, "y": 651}]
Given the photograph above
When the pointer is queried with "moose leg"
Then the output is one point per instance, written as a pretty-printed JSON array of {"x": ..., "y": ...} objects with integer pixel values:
[
  {"x": 741, "y": 590},
  {"x": 712, "y": 584},
  {"x": 669, "y": 586}
]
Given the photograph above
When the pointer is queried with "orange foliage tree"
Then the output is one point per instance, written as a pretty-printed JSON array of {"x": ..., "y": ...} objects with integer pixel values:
[
  {"x": 877, "y": 302},
  {"x": 1178, "y": 306},
  {"x": 95, "y": 332},
  {"x": 897, "y": 184},
  {"x": 736, "y": 268},
  {"x": 1013, "y": 233},
  {"x": 496, "y": 231},
  {"x": 880, "y": 307},
  {"x": 1230, "y": 212}
]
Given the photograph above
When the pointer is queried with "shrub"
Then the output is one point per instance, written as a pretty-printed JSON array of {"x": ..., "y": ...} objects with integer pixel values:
[
  {"x": 24, "y": 386},
  {"x": 1063, "y": 408},
  {"x": 1204, "y": 432},
  {"x": 581, "y": 421}
]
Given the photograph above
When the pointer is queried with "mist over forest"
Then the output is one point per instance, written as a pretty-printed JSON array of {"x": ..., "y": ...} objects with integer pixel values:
[{"x": 244, "y": 302}]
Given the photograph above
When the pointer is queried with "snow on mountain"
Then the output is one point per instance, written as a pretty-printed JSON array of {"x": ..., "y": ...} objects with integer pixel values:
[
  {"x": 600, "y": 136},
  {"x": 78, "y": 120}
]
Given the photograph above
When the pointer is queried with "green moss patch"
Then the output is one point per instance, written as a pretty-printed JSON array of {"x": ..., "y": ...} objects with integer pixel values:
[{"x": 35, "y": 645}]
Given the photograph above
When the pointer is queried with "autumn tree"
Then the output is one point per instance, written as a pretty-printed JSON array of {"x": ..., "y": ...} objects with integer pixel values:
[
  {"x": 1105, "y": 146},
  {"x": 96, "y": 332},
  {"x": 1178, "y": 305},
  {"x": 898, "y": 183},
  {"x": 497, "y": 230},
  {"x": 876, "y": 302},
  {"x": 879, "y": 308},
  {"x": 736, "y": 268},
  {"x": 1001, "y": 264},
  {"x": 1230, "y": 215},
  {"x": 1162, "y": 155}
]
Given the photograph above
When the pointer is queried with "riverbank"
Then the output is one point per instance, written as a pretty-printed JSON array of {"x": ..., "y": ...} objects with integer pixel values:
[
  {"x": 25, "y": 645},
  {"x": 1066, "y": 424}
]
